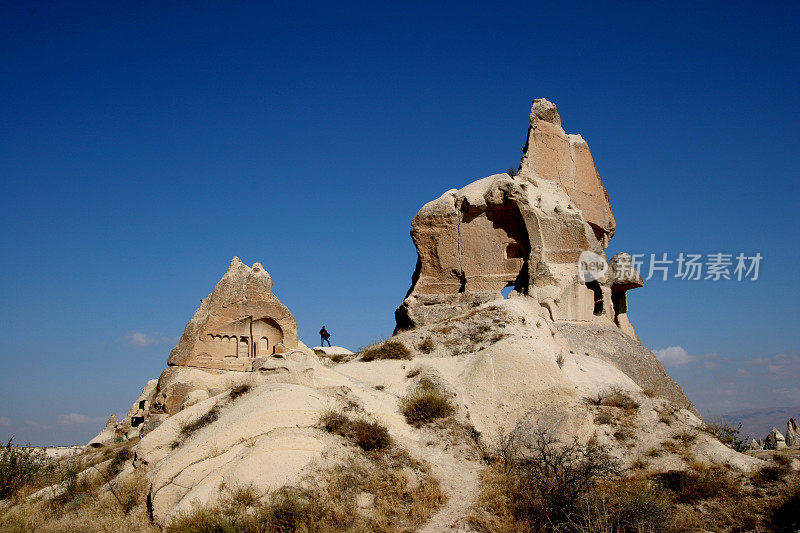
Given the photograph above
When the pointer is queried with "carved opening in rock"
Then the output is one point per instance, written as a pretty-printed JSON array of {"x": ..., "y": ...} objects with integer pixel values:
[
  {"x": 494, "y": 248},
  {"x": 244, "y": 347},
  {"x": 136, "y": 421},
  {"x": 514, "y": 251},
  {"x": 598, "y": 296},
  {"x": 269, "y": 334},
  {"x": 620, "y": 302},
  {"x": 142, "y": 404}
]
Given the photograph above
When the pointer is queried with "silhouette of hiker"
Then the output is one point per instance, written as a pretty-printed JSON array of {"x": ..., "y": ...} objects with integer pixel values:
[{"x": 325, "y": 336}]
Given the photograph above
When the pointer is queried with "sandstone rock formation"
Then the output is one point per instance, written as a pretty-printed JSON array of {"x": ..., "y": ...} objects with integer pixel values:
[
  {"x": 240, "y": 328},
  {"x": 241, "y": 399},
  {"x": 552, "y": 154},
  {"x": 239, "y": 321},
  {"x": 527, "y": 231},
  {"x": 133, "y": 422},
  {"x": 774, "y": 441},
  {"x": 792, "y": 433}
]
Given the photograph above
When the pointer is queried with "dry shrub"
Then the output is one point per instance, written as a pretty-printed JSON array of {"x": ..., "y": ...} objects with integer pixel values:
[
  {"x": 97, "y": 512},
  {"x": 121, "y": 456},
  {"x": 333, "y": 421},
  {"x": 703, "y": 498},
  {"x": 701, "y": 483},
  {"x": 782, "y": 459},
  {"x": 614, "y": 397},
  {"x": 767, "y": 475},
  {"x": 623, "y": 434},
  {"x": 544, "y": 485},
  {"x": 386, "y": 350},
  {"x": 785, "y": 515},
  {"x": 330, "y": 506},
  {"x": 369, "y": 435},
  {"x": 366, "y": 434},
  {"x": 686, "y": 438},
  {"x": 424, "y": 404},
  {"x": 426, "y": 346},
  {"x": 671, "y": 446},
  {"x": 239, "y": 390},
  {"x": 603, "y": 418},
  {"x": 211, "y": 416},
  {"x": 617, "y": 398}
]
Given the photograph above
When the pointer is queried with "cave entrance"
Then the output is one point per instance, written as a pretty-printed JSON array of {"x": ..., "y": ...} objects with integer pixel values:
[{"x": 594, "y": 286}]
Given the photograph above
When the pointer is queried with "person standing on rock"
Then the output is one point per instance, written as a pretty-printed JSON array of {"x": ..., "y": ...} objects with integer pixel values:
[{"x": 324, "y": 336}]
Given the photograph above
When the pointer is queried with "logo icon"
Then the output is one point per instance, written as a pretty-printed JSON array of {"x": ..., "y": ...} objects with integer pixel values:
[{"x": 591, "y": 266}]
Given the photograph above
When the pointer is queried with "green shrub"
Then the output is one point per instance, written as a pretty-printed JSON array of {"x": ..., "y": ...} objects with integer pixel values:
[
  {"x": 727, "y": 434},
  {"x": 386, "y": 350},
  {"x": 76, "y": 487},
  {"x": 19, "y": 466},
  {"x": 425, "y": 404}
]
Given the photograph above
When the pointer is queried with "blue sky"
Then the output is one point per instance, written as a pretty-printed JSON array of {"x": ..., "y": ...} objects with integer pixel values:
[{"x": 142, "y": 145}]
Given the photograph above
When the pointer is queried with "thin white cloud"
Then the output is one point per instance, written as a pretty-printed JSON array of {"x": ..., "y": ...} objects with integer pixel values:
[
  {"x": 77, "y": 418},
  {"x": 674, "y": 356},
  {"x": 5, "y": 421},
  {"x": 37, "y": 425},
  {"x": 138, "y": 339}
]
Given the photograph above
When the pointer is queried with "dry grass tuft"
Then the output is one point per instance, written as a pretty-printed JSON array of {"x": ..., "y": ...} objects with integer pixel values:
[
  {"x": 239, "y": 390},
  {"x": 672, "y": 447},
  {"x": 426, "y": 346},
  {"x": 699, "y": 483},
  {"x": 386, "y": 350},
  {"x": 614, "y": 397},
  {"x": 366, "y": 434},
  {"x": 331, "y": 505},
  {"x": 603, "y": 418},
  {"x": 207, "y": 419},
  {"x": 425, "y": 404}
]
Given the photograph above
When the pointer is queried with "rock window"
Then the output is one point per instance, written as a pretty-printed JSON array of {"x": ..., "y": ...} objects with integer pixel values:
[
  {"x": 514, "y": 251},
  {"x": 598, "y": 297}
]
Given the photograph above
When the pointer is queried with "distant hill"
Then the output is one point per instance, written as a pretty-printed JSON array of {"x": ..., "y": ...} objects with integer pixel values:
[{"x": 758, "y": 422}]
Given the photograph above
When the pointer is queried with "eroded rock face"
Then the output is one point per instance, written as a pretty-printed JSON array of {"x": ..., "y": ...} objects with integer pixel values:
[
  {"x": 552, "y": 154},
  {"x": 238, "y": 322},
  {"x": 132, "y": 424},
  {"x": 774, "y": 441},
  {"x": 526, "y": 231},
  {"x": 792, "y": 433}
]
